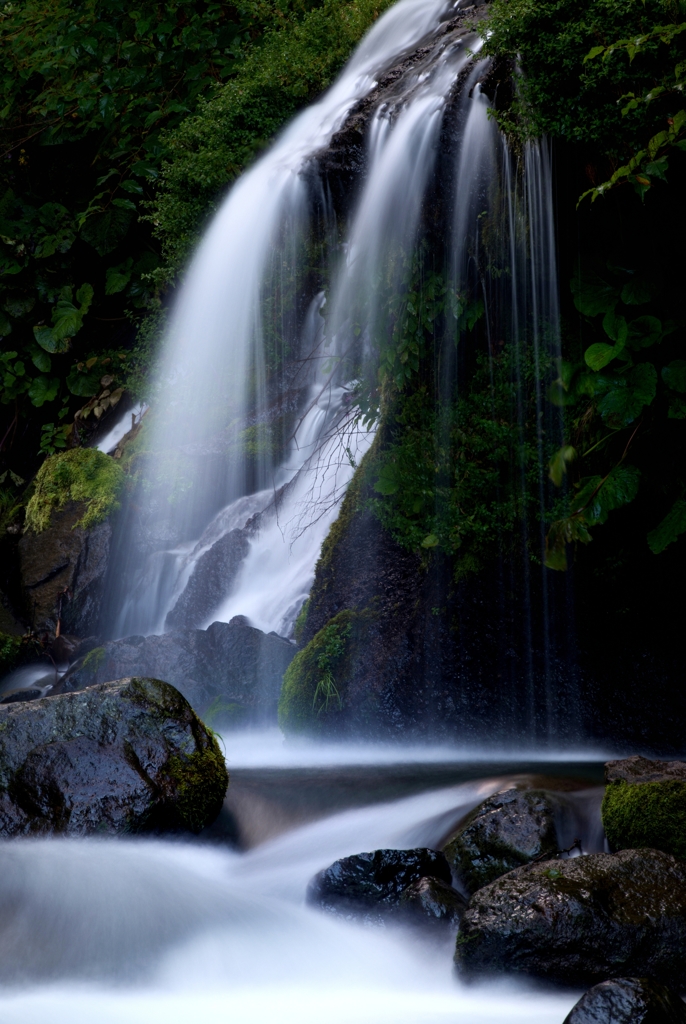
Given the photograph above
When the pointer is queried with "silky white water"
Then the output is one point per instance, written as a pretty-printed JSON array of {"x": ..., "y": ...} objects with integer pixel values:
[{"x": 122, "y": 931}]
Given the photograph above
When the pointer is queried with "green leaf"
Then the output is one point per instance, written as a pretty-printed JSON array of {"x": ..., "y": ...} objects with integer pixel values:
[
  {"x": 41, "y": 360},
  {"x": 84, "y": 297},
  {"x": 598, "y": 497},
  {"x": 430, "y": 541},
  {"x": 117, "y": 278},
  {"x": 626, "y": 394},
  {"x": 671, "y": 527},
  {"x": 674, "y": 375},
  {"x": 677, "y": 408},
  {"x": 616, "y": 328},
  {"x": 388, "y": 482},
  {"x": 104, "y": 231},
  {"x": 43, "y": 389},
  {"x": 5, "y": 326},
  {"x": 558, "y": 463},
  {"x": 644, "y": 332},
  {"x": 84, "y": 385},
  {"x": 593, "y": 295},
  {"x": 599, "y": 355},
  {"x": 49, "y": 342}
]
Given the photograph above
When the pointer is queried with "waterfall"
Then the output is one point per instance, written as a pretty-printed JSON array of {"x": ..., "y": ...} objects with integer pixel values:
[{"x": 259, "y": 422}]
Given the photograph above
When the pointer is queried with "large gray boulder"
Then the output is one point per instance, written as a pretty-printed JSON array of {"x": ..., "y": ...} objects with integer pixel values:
[
  {"x": 581, "y": 921},
  {"x": 502, "y": 833},
  {"x": 628, "y": 1001},
  {"x": 125, "y": 756},
  {"x": 230, "y": 665}
]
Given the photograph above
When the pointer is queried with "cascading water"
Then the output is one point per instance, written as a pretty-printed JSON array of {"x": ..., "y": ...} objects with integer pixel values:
[{"x": 234, "y": 390}]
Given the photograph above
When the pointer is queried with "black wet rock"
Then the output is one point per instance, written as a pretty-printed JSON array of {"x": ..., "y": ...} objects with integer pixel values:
[
  {"x": 431, "y": 901},
  {"x": 63, "y": 571},
  {"x": 210, "y": 581},
  {"x": 628, "y": 1001},
  {"x": 370, "y": 885},
  {"x": 504, "y": 832},
  {"x": 581, "y": 921},
  {"x": 126, "y": 756},
  {"x": 229, "y": 664},
  {"x": 645, "y": 805}
]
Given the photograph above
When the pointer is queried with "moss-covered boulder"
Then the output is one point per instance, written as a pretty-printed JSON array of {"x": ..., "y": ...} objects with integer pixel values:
[
  {"x": 645, "y": 805},
  {"x": 123, "y": 757},
  {"x": 502, "y": 833},
  {"x": 581, "y": 921}
]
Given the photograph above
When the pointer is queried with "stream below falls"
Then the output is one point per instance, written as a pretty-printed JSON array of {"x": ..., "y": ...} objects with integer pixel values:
[{"x": 150, "y": 931}]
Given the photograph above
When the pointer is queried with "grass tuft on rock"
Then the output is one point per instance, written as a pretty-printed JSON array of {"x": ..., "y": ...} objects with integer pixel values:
[{"x": 82, "y": 475}]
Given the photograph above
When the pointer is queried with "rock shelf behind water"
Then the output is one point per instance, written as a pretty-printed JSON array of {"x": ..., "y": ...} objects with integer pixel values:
[
  {"x": 125, "y": 756},
  {"x": 581, "y": 921}
]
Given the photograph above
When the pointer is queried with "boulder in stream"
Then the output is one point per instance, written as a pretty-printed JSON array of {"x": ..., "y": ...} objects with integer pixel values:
[
  {"x": 502, "y": 833},
  {"x": 628, "y": 1001},
  {"x": 370, "y": 885},
  {"x": 126, "y": 756},
  {"x": 645, "y": 805},
  {"x": 581, "y": 921},
  {"x": 432, "y": 901}
]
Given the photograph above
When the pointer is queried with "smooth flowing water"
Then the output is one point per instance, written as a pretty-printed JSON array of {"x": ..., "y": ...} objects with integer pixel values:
[{"x": 147, "y": 931}]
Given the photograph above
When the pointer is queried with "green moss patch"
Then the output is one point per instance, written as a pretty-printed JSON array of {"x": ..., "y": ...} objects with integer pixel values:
[
  {"x": 315, "y": 683},
  {"x": 201, "y": 782},
  {"x": 647, "y": 815},
  {"x": 83, "y": 475}
]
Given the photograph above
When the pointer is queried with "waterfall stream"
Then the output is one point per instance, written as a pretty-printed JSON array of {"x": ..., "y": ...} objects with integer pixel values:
[{"x": 131, "y": 931}]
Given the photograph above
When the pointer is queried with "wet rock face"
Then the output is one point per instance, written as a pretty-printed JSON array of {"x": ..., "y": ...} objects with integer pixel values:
[
  {"x": 63, "y": 572},
  {"x": 504, "y": 832},
  {"x": 228, "y": 664},
  {"x": 369, "y": 885},
  {"x": 582, "y": 920},
  {"x": 126, "y": 756},
  {"x": 628, "y": 1001},
  {"x": 431, "y": 901},
  {"x": 210, "y": 582},
  {"x": 645, "y": 805}
]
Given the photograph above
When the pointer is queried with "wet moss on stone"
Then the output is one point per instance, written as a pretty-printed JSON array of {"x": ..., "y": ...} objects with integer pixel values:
[
  {"x": 647, "y": 815},
  {"x": 201, "y": 781},
  {"x": 315, "y": 683},
  {"x": 83, "y": 475}
]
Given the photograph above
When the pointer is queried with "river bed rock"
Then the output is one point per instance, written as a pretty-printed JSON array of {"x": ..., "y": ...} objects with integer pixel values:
[
  {"x": 126, "y": 756},
  {"x": 628, "y": 1001},
  {"x": 645, "y": 805},
  {"x": 370, "y": 885},
  {"x": 581, "y": 921},
  {"x": 504, "y": 832},
  {"x": 431, "y": 901},
  {"x": 230, "y": 670}
]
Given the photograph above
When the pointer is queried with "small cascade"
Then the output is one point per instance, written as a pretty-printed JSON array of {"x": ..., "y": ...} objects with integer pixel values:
[{"x": 268, "y": 397}]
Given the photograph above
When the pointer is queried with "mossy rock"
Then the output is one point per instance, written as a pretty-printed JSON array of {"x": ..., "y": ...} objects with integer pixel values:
[
  {"x": 644, "y": 806},
  {"x": 84, "y": 476},
  {"x": 124, "y": 757},
  {"x": 315, "y": 683}
]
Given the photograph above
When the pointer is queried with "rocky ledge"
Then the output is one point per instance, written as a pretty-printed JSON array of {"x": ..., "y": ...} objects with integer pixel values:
[
  {"x": 229, "y": 671},
  {"x": 123, "y": 757}
]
